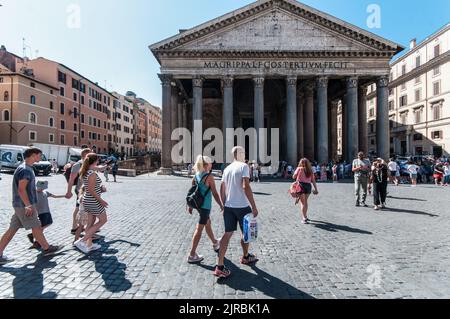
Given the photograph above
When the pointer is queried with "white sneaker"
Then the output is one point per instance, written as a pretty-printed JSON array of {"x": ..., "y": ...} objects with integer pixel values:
[
  {"x": 195, "y": 259},
  {"x": 81, "y": 245}
]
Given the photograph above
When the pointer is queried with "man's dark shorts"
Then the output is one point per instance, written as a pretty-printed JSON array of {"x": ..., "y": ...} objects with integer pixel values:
[
  {"x": 235, "y": 216},
  {"x": 77, "y": 193},
  {"x": 46, "y": 219},
  {"x": 204, "y": 216}
]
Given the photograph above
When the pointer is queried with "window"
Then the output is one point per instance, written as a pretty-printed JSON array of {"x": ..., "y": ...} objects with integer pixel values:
[
  {"x": 51, "y": 122},
  {"x": 1, "y": 80},
  {"x": 82, "y": 118},
  {"x": 61, "y": 108},
  {"x": 32, "y": 85},
  {"x": 418, "y": 115},
  {"x": 437, "y": 108},
  {"x": 63, "y": 125},
  {"x": 62, "y": 140},
  {"x": 75, "y": 84},
  {"x": 403, "y": 100},
  {"x": 32, "y": 118},
  {"x": 75, "y": 127},
  {"x": 33, "y": 100},
  {"x": 62, "y": 77},
  {"x": 75, "y": 98},
  {"x": 51, "y": 138},
  {"x": 75, "y": 141},
  {"x": 6, "y": 96},
  {"x": 372, "y": 128},
  {"x": 51, "y": 105},
  {"x": 61, "y": 91},
  {"x": 75, "y": 112},
  {"x": 418, "y": 95},
  {"x": 417, "y": 61},
  {"x": 82, "y": 100},
  {"x": 32, "y": 136},
  {"x": 95, "y": 122},
  {"x": 5, "y": 115},
  {"x": 437, "y": 88},
  {"x": 437, "y": 50},
  {"x": 371, "y": 112},
  {"x": 82, "y": 133},
  {"x": 436, "y": 71},
  {"x": 436, "y": 135},
  {"x": 417, "y": 137}
]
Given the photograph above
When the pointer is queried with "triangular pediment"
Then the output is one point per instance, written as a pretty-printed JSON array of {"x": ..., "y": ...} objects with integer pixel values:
[
  {"x": 277, "y": 30},
  {"x": 276, "y": 25}
]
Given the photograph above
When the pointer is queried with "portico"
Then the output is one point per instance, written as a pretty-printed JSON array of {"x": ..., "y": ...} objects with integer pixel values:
[{"x": 277, "y": 64}]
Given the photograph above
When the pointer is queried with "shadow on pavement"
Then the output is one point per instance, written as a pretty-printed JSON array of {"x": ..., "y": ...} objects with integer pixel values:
[
  {"x": 408, "y": 211},
  {"x": 405, "y": 198},
  {"x": 261, "y": 194},
  {"x": 335, "y": 228},
  {"x": 270, "y": 286},
  {"x": 28, "y": 282},
  {"x": 111, "y": 269}
]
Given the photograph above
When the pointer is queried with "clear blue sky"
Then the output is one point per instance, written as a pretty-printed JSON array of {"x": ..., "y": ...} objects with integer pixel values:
[{"x": 112, "y": 41}]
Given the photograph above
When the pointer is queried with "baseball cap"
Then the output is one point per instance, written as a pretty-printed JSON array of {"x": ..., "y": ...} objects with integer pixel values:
[{"x": 42, "y": 185}]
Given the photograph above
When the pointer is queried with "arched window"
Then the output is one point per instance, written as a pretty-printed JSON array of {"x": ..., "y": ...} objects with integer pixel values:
[
  {"x": 5, "y": 115},
  {"x": 51, "y": 122},
  {"x": 6, "y": 96},
  {"x": 32, "y": 118},
  {"x": 33, "y": 99}
]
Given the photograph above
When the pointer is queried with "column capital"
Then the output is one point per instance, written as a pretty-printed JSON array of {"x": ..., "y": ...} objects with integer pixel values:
[
  {"x": 259, "y": 81},
  {"x": 322, "y": 82},
  {"x": 197, "y": 82},
  {"x": 291, "y": 81},
  {"x": 334, "y": 104},
  {"x": 383, "y": 81},
  {"x": 166, "y": 79},
  {"x": 363, "y": 88},
  {"x": 352, "y": 82},
  {"x": 227, "y": 81}
]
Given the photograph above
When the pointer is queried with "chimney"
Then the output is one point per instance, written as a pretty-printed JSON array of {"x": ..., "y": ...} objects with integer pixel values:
[
  {"x": 2, "y": 48},
  {"x": 413, "y": 44}
]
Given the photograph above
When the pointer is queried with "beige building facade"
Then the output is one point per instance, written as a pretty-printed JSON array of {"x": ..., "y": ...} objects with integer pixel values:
[
  {"x": 27, "y": 109},
  {"x": 419, "y": 99}
]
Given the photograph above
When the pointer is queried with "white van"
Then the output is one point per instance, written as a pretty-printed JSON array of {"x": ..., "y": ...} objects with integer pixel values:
[
  {"x": 62, "y": 154},
  {"x": 11, "y": 156}
]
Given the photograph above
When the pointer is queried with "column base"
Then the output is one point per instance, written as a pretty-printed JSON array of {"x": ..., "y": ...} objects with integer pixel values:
[{"x": 164, "y": 171}]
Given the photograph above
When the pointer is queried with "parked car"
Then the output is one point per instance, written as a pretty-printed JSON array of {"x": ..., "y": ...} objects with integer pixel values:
[{"x": 11, "y": 156}]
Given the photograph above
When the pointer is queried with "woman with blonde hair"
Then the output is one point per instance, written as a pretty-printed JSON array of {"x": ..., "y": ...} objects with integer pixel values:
[
  {"x": 305, "y": 176},
  {"x": 92, "y": 202},
  {"x": 205, "y": 180}
]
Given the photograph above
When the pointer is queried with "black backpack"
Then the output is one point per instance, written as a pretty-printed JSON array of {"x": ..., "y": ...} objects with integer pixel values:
[{"x": 195, "y": 198}]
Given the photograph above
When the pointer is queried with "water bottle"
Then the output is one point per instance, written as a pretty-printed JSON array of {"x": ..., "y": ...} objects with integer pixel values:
[{"x": 250, "y": 229}]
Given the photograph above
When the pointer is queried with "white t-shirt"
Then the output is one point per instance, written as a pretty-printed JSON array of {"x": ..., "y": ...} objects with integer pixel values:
[
  {"x": 413, "y": 169},
  {"x": 447, "y": 170},
  {"x": 233, "y": 179},
  {"x": 393, "y": 166}
]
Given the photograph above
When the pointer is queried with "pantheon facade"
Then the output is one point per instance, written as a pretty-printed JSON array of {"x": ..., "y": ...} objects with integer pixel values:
[{"x": 277, "y": 64}]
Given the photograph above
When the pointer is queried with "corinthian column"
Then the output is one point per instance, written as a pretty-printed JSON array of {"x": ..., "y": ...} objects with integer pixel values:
[
  {"x": 383, "y": 140},
  {"x": 227, "y": 84},
  {"x": 309, "y": 123},
  {"x": 322, "y": 120},
  {"x": 352, "y": 118},
  {"x": 166, "y": 81},
  {"x": 291, "y": 120},
  {"x": 259, "y": 114}
]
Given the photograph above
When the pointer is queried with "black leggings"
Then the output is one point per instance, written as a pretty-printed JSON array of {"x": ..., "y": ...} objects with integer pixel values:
[{"x": 379, "y": 193}]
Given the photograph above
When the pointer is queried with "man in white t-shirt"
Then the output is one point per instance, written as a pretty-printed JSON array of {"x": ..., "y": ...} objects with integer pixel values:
[
  {"x": 237, "y": 197},
  {"x": 393, "y": 170},
  {"x": 413, "y": 170}
]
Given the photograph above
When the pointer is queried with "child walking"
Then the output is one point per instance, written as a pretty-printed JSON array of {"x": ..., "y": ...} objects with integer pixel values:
[{"x": 43, "y": 209}]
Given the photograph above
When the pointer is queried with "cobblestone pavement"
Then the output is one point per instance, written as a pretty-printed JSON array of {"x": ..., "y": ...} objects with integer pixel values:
[{"x": 346, "y": 253}]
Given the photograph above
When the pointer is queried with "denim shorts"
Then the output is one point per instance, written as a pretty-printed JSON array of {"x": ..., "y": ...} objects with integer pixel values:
[
  {"x": 234, "y": 216},
  {"x": 204, "y": 216},
  {"x": 307, "y": 188}
]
